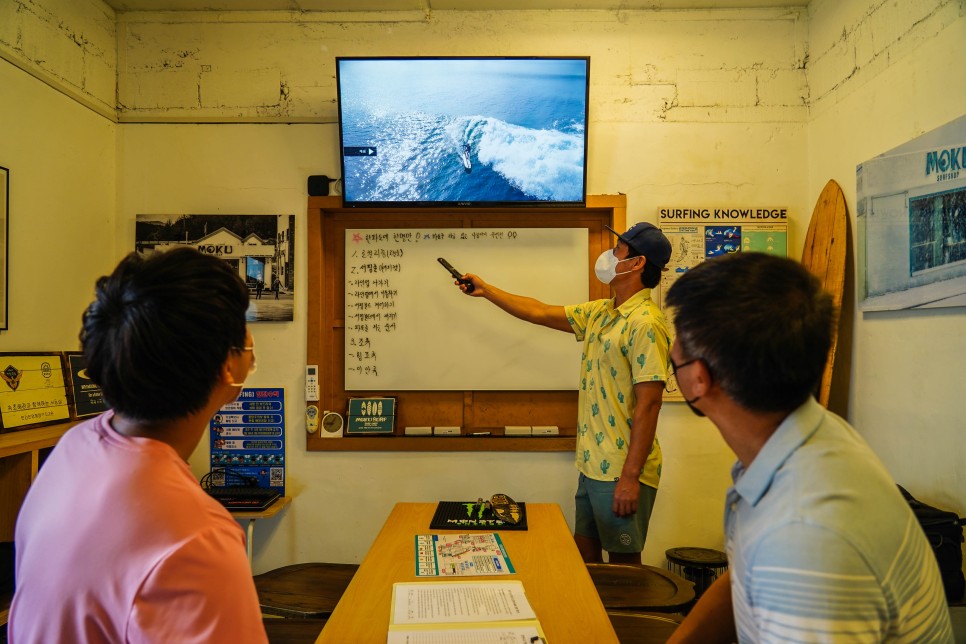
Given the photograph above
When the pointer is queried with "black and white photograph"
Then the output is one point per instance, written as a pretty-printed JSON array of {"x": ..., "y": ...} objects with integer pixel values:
[{"x": 261, "y": 248}]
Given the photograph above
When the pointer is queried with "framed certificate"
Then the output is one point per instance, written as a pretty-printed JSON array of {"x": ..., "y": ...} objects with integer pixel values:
[
  {"x": 4, "y": 246},
  {"x": 87, "y": 397},
  {"x": 33, "y": 390}
]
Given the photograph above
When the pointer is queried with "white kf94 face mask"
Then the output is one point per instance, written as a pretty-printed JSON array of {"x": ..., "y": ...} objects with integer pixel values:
[{"x": 606, "y": 266}]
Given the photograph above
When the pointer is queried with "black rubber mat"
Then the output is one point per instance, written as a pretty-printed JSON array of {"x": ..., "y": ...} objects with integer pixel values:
[{"x": 465, "y": 515}]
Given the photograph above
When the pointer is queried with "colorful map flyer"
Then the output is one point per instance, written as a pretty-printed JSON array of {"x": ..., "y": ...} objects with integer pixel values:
[{"x": 461, "y": 555}]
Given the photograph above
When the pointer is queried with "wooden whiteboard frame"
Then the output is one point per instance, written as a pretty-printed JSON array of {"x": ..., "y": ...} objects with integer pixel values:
[{"x": 473, "y": 411}]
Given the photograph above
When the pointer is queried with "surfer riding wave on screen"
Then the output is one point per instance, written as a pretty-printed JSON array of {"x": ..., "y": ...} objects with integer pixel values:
[{"x": 416, "y": 160}]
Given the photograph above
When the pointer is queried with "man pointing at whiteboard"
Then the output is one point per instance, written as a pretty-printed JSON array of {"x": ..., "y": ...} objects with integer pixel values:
[{"x": 624, "y": 364}]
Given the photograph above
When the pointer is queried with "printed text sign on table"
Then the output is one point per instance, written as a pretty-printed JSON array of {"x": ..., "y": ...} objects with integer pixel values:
[{"x": 248, "y": 438}]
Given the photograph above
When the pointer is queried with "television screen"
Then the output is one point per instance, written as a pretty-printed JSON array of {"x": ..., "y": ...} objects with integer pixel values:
[{"x": 463, "y": 131}]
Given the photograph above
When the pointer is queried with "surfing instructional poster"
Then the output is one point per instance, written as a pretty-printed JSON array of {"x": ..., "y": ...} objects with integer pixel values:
[
  {"x": 463, "y": 131},
  {"x": 699, "y": 234}
]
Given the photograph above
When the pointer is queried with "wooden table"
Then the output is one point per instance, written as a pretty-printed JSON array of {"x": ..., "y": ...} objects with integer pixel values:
[{"x": 545, "y": 558}]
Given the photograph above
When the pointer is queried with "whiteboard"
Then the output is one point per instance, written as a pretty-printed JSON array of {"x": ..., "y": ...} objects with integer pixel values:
[{"x": 409, "y": 328}]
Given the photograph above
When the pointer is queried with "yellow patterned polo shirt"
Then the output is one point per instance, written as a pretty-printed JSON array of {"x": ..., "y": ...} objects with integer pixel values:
[{"x": 622, "y": 347}]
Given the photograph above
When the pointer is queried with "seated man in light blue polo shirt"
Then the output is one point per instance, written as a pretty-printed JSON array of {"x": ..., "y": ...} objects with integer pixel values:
[{"x": 821, "y": 545}]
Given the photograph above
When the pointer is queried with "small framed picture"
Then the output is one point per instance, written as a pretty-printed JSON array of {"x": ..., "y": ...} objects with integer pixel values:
[
  {"x": 33, "y": 390},
  {"x": 87, "y": 397}
]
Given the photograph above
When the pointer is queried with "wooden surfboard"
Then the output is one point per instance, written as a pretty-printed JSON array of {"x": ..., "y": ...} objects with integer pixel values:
[{"x": 826, "y": 256}]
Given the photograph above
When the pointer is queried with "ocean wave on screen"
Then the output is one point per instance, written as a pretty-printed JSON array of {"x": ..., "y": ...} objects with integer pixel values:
[
  {"x": 407, "y": 156},
  {"x": 544, "y": 164}
]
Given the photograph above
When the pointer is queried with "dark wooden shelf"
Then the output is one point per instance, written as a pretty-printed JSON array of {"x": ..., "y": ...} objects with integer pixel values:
[
  {"x": 447, "y": 444},
  {"x": 22, "y": 452}
]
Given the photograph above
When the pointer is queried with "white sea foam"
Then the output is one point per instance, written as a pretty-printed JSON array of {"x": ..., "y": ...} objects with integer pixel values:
[{"x": 544, "y": 164}]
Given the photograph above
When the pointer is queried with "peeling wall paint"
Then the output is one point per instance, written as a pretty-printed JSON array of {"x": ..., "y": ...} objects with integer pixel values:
[
  {"x": 71, "y": 44},
  {"x": 652, "y": 66},
  {"x": 755, "y": 65},
  {"x": 852, "y": 44}
]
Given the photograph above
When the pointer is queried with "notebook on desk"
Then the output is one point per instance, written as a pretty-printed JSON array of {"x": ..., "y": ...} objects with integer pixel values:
[{"x": 244, "y": 499}]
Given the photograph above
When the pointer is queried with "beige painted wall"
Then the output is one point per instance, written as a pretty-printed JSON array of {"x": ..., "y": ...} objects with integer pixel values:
[
  {"x": 261, "y": 169},
  {"x": 704, "y": 120},
  {"x": 880, "y": 78},
  {"x": 62, "y": 163},
  {"x": 687, "y": 107}
]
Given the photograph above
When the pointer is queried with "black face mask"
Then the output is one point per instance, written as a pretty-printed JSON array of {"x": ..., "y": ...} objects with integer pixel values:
[
  {"x": 677, "y": 367},
  {"x": 697, "y": 412}
]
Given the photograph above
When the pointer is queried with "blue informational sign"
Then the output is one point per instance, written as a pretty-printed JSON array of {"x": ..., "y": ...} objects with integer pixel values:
[{"x": 248, "y": 440}]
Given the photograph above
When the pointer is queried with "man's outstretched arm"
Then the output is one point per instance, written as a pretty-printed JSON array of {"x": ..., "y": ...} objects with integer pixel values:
[{"x": 519, "y": 306}]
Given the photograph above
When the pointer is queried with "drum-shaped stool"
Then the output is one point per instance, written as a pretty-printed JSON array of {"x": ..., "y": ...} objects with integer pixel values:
[
  {"x": 640, "y": 588},
  {"x": 306, "y": 590},
  {"x": 642, "y": 628},
  {"x": 702, "y": 566}
]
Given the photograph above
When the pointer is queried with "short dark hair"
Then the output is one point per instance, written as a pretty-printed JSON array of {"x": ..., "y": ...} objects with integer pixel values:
[
  {"x": 159, "y": 330},
  {"x": 651, "y": 275},
  {"x": 762, "y": 324}
]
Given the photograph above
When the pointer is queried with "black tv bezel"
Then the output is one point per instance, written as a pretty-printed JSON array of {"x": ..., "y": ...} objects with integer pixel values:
[{"x": 462, "y": 204}]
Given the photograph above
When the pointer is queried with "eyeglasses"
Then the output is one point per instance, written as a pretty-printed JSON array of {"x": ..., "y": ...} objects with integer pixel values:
[
  {"x": 254, "y": 365},
  {"x": 671, "y": 385},
  {"x": 677, "y": 367}
]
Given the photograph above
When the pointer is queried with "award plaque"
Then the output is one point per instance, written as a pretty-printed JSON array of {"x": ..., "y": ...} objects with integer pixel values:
[
  {"x": 33, "y": 390},
  {"x": 371, "y": 415},
  {"x": 88, "y": 399}
]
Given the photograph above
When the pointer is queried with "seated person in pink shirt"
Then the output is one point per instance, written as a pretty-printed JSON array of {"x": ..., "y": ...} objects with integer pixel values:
[{"x": 116, "y": 541}]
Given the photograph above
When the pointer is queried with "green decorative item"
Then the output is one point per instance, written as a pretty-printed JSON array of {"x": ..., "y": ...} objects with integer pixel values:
[{"x": 371, "y": 415}]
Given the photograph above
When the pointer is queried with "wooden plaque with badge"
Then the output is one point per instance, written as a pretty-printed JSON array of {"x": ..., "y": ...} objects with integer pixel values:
[
  {"x": 87, "y": 399},
  {"x": 33, "y": 390}
]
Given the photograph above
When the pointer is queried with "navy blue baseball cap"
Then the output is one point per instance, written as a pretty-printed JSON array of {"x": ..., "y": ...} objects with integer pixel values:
[{"x": 647, "y": 240}]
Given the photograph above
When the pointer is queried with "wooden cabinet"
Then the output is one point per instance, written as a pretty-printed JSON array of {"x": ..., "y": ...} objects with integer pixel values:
[
  {"x": 21, "y": 455},
  {"x": 485, "y": 413}
]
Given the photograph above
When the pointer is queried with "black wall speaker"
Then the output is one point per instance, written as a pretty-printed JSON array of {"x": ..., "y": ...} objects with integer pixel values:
[{"x": 318, "y": 185}]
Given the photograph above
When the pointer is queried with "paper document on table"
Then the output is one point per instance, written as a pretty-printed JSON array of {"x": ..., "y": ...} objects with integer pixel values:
[
  {"x": 462, "y": 612},
  {"x": 482, "y": 635},
  {"x": 458, "y": 555},
  {"x": 438, "y": 602}
]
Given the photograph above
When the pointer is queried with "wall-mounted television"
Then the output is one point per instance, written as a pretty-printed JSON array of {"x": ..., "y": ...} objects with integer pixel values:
[{"x": 461, "y": 131}]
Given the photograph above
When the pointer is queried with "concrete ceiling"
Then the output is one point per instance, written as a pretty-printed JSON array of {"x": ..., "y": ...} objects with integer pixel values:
[{"x": 422, "y": 5}]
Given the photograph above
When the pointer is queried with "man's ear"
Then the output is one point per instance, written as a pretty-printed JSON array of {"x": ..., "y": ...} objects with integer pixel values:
[
  {"x": 701, "y": 379},
  {"x": 227, "y": 377}
]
